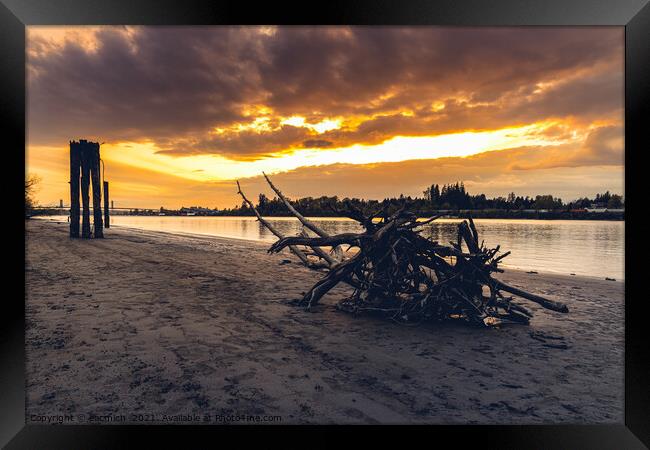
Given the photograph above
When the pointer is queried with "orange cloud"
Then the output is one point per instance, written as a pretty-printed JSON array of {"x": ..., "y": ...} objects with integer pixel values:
[
  {"x": 199, "y": 104},
  {"x": 348, "y": 85}
]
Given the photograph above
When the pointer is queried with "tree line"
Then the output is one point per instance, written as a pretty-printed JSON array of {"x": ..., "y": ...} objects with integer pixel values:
[{"x": 448, "y": 197}]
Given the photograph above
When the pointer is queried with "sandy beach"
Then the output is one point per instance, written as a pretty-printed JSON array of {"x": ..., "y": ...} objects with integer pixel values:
[{"x": 152, "y": 326}]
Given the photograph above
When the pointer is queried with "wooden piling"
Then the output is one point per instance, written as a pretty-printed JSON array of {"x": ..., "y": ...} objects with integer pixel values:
[
  {"x": 97, "y": 192},
  {"x": 86, "y": 160},
  {"x": 107, "y": 218},
  {"x": 75, "y": 167}
]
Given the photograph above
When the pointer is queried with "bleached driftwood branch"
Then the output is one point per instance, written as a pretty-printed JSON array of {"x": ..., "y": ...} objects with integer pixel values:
[
  {"x": 306, "y": 222},
  {"x": 294, "y": 249}
]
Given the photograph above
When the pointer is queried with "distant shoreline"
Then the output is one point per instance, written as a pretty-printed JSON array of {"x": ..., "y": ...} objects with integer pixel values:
[{"x": 476, "y": 214}]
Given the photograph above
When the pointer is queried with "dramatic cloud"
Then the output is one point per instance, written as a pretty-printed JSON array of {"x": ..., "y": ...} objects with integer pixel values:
[
  {"x": 348, "y": 111},
  {"x": 225, "y": 90},
  {"x": 602, "y": 147},
  {"x": 317, "y": 143},
  {"x": 525, "y": 170}
]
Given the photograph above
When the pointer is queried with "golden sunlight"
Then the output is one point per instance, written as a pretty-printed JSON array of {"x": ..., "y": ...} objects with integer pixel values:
[
  {"x": 399, "y": 148},
  {"x": 320, "y": 127}
]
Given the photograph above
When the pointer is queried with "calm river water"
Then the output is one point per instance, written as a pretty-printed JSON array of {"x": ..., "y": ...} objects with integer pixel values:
[{"x": 593, "y": 248}]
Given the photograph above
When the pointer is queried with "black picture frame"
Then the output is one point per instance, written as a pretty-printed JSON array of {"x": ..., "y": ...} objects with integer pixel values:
[{"x": 634, "y": 15}]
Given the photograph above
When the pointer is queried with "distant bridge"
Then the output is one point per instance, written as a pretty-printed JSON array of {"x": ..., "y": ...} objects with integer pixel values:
[{"x": 67, "y": 208}]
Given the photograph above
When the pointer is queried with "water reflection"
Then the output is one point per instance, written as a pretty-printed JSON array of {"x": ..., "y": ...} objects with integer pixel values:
[{"x": 593, "y": 248}]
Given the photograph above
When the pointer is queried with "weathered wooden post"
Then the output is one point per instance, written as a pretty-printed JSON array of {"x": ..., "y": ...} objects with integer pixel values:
[
  {"x": 86, "y": 161},
  {"x": 107, "y": 219},
  {"x": 75, "y": 167},
  {"x": 97, "y": 190},
  {"x": 84, "y": 157}
]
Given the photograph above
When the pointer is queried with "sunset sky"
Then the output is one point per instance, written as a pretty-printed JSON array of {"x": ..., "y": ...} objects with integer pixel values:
[{"x": 367, "y": 112}]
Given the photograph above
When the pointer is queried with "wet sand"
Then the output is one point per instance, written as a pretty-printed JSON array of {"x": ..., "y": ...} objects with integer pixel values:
[{"x": 147, "y": 324}]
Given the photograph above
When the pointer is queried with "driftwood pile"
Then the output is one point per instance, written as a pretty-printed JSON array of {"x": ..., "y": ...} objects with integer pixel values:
[{"x": 400, "y": 273}]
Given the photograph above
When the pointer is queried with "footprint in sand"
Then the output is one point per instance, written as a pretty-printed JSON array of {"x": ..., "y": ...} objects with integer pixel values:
[
  {"x": 549, "y": 341},
  {"x": 354, "y": 413}
]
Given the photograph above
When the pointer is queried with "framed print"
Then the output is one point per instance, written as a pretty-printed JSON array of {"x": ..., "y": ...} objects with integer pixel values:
[{"x": 366, "y": 214}]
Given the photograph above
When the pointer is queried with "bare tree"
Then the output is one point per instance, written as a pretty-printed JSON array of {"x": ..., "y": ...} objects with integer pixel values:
[{"x": 31, "y": 184}]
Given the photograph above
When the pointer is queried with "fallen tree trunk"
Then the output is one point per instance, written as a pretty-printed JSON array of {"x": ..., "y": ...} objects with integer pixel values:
[
  {"x": 546, "y": 303},
  {"x": 307, "y": 223},
  {"x": 408, "y": 277},
  {"x": 295, "y": 250},
  {"x": 334, "y": 277},
  {"x": 352, "y": 239},
  {"x": 321, "y": 253},
  {"x": 400, "y": 273}
]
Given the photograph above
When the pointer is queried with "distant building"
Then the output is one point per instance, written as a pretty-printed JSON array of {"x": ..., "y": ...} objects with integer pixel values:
[
  {"x": 602, "y": 210},
  {"x": 60, "y": 203}
]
